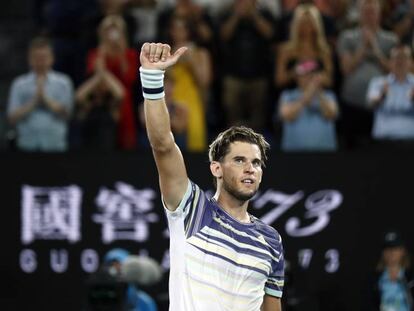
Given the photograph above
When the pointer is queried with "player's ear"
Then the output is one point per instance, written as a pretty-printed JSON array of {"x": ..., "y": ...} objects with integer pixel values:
[{"x": 215, "y": 168}]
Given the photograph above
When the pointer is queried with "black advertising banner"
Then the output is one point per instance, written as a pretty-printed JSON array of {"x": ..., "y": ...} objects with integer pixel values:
[{"x": 62, "y": 213}]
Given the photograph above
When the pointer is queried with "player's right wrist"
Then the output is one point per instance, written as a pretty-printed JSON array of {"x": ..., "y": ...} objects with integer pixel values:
[{"x": 152, "y": 82}]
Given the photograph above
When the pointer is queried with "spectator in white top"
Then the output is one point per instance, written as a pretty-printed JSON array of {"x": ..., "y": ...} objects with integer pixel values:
[
  {"x": 40, "y": 102},
  {"x": 391, "y": 96}
]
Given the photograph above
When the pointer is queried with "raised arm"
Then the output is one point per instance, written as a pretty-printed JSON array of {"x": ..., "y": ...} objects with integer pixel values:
[{"x": 155, "y": 58}]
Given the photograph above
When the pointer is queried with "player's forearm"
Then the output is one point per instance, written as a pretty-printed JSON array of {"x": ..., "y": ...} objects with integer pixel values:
[
  {"x": 157, "y": 121},
  {"x": 271, "y": 304},
  {"x": 155, "y": 58},
  {"x": 157, "y": 118}
]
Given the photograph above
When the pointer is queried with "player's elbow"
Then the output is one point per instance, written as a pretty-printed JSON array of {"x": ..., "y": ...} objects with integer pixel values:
[{"x": 163, "y": 145}]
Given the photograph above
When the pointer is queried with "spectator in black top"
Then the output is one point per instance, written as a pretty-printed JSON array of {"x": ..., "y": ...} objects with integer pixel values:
[
  {"x": 98, "y": 100},
  {"x": 246, "y": 36}
]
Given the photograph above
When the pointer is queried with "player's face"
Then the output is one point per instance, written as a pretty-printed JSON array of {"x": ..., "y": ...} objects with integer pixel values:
[{"x": 242, "y": 170}]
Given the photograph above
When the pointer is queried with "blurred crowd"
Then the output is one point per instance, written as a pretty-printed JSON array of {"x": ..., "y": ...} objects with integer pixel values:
[{"x": 317, "y": 76}]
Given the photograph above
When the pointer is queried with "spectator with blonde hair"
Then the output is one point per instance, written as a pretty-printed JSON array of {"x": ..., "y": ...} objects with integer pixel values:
[
  {"x": 308, "y": 112},
  {"x": 192, "y": 77},
  {"x": 307, "y": 41}
]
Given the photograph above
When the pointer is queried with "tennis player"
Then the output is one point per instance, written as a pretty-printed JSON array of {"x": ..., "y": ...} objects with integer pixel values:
[{"x": 221, "y": 257}]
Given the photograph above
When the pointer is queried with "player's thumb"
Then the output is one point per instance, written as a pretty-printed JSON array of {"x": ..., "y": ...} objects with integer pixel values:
[{"x": 178, "y": 53}]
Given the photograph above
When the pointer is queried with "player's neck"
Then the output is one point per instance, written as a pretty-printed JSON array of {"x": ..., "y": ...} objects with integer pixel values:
[{"x": 235, "y": 208}]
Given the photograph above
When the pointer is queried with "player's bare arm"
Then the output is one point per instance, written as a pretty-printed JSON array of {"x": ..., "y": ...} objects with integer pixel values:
[
  {"x": 155, "y": 58},
  {"x": 271, "y": 303}
]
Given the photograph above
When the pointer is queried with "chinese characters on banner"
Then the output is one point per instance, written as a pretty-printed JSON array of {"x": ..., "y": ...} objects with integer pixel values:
[
  {"x": 51, "y": 213},
  {"x": 126, "y": 213}
]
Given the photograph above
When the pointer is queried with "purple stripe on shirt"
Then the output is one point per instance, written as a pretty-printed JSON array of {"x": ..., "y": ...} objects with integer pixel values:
[
  {"x": 238, "y": 249},
  {"x": 251, "y": 232},
  {"x": 232, "y": 261}
]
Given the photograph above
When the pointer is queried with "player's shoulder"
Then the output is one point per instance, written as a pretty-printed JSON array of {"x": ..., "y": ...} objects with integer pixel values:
[
  {"x": 269, "y": 233},
  {"x": 194, "y": 186},
  {"x": 196, "y": 192}
]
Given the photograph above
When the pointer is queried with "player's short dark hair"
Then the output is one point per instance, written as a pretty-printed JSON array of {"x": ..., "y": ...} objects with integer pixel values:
[{"x": 220, "y": 147}]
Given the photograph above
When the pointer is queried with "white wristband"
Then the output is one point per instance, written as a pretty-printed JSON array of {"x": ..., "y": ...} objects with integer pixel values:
[{"x": 152, "y": 81}]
